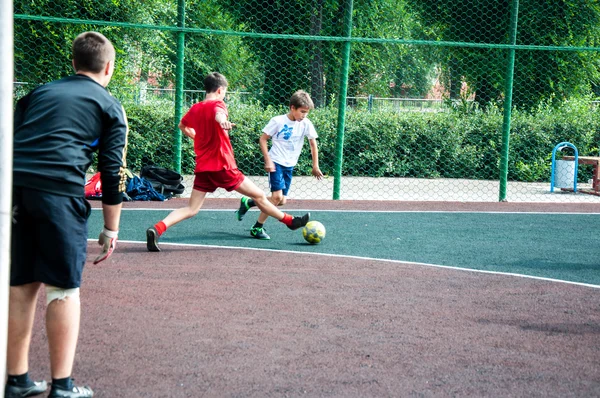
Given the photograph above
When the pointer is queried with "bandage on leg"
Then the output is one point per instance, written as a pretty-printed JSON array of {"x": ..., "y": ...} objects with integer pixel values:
[{"x": 56, "y": 293}]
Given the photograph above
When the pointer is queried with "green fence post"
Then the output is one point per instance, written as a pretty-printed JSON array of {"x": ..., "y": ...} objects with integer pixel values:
[
  {"x": 179, "y": 84},
  {"x": 510, "y": 70},
  {"x": 339, "y": 144}
]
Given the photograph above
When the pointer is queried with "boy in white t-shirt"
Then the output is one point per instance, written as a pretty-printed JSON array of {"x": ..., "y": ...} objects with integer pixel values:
[{"x": 287, "y": 133}]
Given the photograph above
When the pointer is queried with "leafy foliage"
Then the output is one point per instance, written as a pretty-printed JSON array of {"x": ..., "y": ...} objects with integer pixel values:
[
  {"x": 42, "y": 49},
  {"x": 540, "y": 75},
  {"x": 388, "y": 144}
]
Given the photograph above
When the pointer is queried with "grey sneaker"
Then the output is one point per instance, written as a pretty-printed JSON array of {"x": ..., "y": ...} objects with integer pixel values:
[
  {"x": 259, "y": 233},
  {"x": 75, "y": 392},
  {"x": 244, "y": 207},
  {"x": 37, "y": 388},
  {"x": 152, "y": 240}
]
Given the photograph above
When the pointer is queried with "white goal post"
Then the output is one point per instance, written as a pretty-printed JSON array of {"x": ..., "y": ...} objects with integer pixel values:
[{"x": 6, "y": 156}]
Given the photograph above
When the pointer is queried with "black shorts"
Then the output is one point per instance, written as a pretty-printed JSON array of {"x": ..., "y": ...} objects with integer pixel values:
[{"x": 49, "y": 238}]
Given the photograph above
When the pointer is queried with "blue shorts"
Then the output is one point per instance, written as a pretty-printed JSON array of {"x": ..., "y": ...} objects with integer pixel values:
[
  {"x": 49, "y": 238},
  {"x": 281, "y": 178}
]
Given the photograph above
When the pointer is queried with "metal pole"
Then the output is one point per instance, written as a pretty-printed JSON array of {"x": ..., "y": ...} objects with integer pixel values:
[
  {"x": 508, "y": 90},
  {"x": 6, "y": 160},
  {"x": 339, "y": 145},
  {"x": 179, "y": 84}
]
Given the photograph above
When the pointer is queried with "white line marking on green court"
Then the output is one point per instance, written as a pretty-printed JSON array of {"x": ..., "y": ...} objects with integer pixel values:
[
  {"x": 378, "y": 211},
  {"x": 541, "y": 278}
]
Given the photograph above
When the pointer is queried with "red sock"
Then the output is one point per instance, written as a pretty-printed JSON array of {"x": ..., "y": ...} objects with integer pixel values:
[
  {"x": 160, "y": 227},
  {"x": 287, "y": 219}
]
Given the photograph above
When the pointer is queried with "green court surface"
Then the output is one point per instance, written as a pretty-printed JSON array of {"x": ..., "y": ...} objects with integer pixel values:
[{"x": 549, "y": 245}]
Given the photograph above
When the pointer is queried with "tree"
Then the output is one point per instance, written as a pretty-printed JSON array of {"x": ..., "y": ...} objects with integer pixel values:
[
  {"x": 288, "y": 65},
  {"x": 42, "y": 49},
  {"x": 205, "y": 53},
  {"x": 543, "y": 75},
  {"x": 375, "y": 66},
  {"x": 538, "y": 74}
]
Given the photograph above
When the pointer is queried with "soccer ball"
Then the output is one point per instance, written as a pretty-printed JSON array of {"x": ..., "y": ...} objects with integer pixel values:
[{"x": 313, "y": 232}]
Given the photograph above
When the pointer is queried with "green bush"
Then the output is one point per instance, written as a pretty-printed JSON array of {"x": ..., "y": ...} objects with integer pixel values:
[
  {"x": 150, "y": 139},
  {"x": 389, "y": 144}
]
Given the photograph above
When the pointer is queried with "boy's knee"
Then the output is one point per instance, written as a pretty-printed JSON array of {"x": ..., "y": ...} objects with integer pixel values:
[
  {"x": 277, "y": 198},
  {"x": 263, "y": 202},
  {"x": 192, "y": 211},
  {"x": 259, "y": 197}
]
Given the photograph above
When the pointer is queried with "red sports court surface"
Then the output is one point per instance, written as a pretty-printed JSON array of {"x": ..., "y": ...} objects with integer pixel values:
[{"x": 197, "y": 321}]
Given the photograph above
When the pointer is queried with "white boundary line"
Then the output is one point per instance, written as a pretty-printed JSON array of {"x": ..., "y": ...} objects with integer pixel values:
[
  {"x": 372, "y": 259},
  {"x": 379, "y": 211}
]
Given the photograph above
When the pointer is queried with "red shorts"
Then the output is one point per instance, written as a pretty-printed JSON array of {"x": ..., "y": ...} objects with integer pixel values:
[{"x": 209, "y": 181}]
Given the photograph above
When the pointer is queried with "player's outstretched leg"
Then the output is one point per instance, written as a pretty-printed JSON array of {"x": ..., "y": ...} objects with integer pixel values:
[{"x": 245, "y": 205}]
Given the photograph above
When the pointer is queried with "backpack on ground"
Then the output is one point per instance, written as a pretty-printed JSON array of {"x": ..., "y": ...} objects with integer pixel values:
[
  {"x": 138, "y": 188},
  {"x": 165, "y": 181}
]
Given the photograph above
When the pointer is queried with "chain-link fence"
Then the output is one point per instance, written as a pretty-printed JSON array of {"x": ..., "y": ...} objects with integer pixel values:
[{"x": 414, "y": 99}]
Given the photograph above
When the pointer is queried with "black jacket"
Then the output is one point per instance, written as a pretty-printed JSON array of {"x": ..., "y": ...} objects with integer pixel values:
[{"x": 58, "y": 127}]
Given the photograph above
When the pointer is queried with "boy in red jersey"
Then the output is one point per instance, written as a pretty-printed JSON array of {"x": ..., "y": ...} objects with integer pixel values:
[{"x": 207, "y": 123}]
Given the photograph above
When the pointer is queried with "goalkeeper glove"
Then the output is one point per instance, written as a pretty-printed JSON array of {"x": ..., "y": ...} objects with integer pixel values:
[{"x": 108, "y": 241}]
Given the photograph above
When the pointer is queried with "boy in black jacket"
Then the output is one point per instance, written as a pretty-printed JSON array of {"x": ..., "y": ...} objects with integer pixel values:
[{"x": 57, "y": 128}]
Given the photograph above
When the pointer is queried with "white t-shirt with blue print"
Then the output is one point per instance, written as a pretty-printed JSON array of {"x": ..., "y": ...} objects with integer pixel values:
[{"x": 287, "y": 138}]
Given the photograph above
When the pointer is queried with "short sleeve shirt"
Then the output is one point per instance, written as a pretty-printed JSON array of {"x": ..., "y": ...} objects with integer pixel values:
[
  {"x": 211, "y": 144},
  {"x": 288, "y": 138}
]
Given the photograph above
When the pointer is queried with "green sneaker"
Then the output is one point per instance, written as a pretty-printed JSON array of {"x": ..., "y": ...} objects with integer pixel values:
[
  {"x": 259, "y": 233},
  {"x": 244, "y": 206}
]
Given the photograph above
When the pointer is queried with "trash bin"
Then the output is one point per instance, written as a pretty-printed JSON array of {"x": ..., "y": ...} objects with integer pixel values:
[{"x": 564, "y": 174}]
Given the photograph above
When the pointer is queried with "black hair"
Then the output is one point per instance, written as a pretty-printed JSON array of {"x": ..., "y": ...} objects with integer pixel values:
[{"x": 213, "y": 81}]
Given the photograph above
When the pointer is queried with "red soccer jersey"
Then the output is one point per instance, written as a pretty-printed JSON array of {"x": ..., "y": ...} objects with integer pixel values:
[{"x": 211, "y": 144}]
